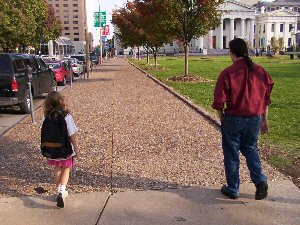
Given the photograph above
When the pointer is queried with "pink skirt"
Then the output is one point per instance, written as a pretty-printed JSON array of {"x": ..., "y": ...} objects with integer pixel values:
[{"x": 62, "y": 163}]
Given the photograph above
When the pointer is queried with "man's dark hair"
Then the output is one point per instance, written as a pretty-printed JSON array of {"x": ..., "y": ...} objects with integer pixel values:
[{"x": 239, "y": 48}]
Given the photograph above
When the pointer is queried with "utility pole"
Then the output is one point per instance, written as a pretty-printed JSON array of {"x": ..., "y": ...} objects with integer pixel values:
[
  {"x": 87, "y": 44},
  {"x": 100, "y": 44}
]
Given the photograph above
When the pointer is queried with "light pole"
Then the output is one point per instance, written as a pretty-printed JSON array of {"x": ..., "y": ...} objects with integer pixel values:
[
  {"x": 100, "y": 44},
  {"x": 293, "y": 37}
]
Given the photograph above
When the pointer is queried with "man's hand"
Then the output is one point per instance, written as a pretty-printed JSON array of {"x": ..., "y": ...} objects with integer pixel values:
[
  {"x": 220, "y": 114},
  {"x": 264, "y": 128}
]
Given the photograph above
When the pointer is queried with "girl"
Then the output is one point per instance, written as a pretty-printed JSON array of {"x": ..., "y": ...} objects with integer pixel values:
[{"x": 55, "y": 106}]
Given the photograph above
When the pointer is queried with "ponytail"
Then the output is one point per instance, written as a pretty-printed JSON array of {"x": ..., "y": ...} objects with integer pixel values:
[{"x": 248, "y": 61}]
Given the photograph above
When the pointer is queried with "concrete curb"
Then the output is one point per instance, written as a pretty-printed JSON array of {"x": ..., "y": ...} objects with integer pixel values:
[{"x": 188, "y": 102}]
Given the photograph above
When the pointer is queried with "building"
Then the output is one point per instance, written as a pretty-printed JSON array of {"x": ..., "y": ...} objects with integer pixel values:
[
  {"x": 72, "y": 14},
  {"x": 278, "y": 19}
]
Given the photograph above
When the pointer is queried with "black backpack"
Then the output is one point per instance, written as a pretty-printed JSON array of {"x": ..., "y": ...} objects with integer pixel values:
[{"x": 55, "y": 141}]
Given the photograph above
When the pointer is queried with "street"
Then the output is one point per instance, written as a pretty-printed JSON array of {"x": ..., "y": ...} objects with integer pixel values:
[{"x": 11, "y": 116}]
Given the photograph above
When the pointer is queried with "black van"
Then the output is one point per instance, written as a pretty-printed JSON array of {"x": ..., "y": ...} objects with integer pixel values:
[{"x": 14, "y": 79}]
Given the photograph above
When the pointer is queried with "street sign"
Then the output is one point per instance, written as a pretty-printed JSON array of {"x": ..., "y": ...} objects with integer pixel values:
[
  {"x": 103, "y": 19},
  {"x": 105, "y": 30},
  {"x": 97, "y": 19}
]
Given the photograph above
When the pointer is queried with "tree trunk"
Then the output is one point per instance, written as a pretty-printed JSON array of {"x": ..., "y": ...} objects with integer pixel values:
[
  {"x": 186, "y": 59},
  {"x": 148, "y": 56},
  {"x": 155, "y": 57},
  {"x": 139, "y": 52}
]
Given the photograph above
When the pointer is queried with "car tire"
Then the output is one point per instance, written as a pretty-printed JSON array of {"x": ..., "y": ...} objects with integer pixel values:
[
  {"x": 25, "y": 104},
  {"x": 63, "y": 82}
]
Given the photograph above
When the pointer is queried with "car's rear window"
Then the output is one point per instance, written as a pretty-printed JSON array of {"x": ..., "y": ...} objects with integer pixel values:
[
  {"x": 5, "y": 66},
  {"x": 80, "y": 58},
  {"x": 54, "y": 65},
  {"x": 19, "y": 61}
]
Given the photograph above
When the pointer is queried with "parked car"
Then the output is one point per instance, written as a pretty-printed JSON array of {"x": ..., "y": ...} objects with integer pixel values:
[
  {"x": 76, "y": 66},
  {"x": 82, "y": 60},
  {"x": 14, "y": 78},
  {"x": 61, "y": 70},
  {"x": 94, "y": 59}
]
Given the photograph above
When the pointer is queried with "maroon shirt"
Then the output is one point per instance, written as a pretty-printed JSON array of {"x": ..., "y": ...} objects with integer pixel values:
[{"x": 246, "y": 92}]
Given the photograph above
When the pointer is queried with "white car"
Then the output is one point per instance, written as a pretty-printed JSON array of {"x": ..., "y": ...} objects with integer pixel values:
[{"x": 76, "y": 66}]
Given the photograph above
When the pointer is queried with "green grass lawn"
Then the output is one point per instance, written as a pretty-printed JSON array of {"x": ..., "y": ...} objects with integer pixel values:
[{"x": 284, "y": 115}]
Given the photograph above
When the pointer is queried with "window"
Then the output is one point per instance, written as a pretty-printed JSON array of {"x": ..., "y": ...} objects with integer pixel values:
[
  {"x": 76, "y": 33},
  {"x": 254, "y": 29},
  {"x": 259, "y": 29},
  {"x": 66, "y": 5},
  {"x": 272, "y": 9},
  {"x": 289, "y": 41},
  {"x": 67, "y": 33},
  {"x": 66, "y": 16},
  {"x": 76, "y": 39},
  {"x": 264, "y": 28},
  {"x": 75, "y": 22},
  {"x": 56, "y": 5},
  {"x": 295, "y": 9},
  {"x": 224, "y": 25},
  {"x": 298, "y": 26},
  {"x": 234, "y": 25},
  {"x": 273, "y": 27},
  {"x": 75, "y": 16},
  {"x": 66, "y": 28},
  {"x": 57, "y": 11},
  {"x": 290, "y": 27},
  {"x": 66, "y": 22},
  {"x": 75, "y": 28},
  {"x": 171, "y": 44},
  {"x": 75, "y": 5},
  {"x": 75, "y": 10},
  {"x": 281, "y": 27}
]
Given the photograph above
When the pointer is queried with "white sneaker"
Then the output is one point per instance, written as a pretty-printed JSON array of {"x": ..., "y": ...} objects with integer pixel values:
[{"x": 61, "y": 198}]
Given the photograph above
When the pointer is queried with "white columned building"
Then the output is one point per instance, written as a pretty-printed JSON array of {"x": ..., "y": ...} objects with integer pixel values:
[
  {"x": 278, "y": 24},
  {"x": 237, "y": 20}
]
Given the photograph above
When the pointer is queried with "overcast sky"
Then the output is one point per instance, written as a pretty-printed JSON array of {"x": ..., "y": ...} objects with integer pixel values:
[{"x": 106, "y": 5}]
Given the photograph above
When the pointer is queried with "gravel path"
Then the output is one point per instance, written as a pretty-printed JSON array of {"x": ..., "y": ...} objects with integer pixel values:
[{"x": 158, "y": 141}]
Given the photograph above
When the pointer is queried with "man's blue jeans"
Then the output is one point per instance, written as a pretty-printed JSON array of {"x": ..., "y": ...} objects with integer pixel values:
[{"x": 240, "y": 133}]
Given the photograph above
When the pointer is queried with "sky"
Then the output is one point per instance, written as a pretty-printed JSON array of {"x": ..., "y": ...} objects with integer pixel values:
[{"x": 105, "y": 5}]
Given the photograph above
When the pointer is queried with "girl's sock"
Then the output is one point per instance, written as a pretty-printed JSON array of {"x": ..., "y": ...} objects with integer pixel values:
[
  {"x": 62, "y": 188},
  {"x": 58, "y": 188}
]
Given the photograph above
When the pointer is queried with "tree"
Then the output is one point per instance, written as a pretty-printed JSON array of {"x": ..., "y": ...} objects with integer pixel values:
[
  {"x": 26, "y": 23},
  {"x": 191, "y": 19},
  {"x": 277, "y": 45},
  {"x": 142, "y": 23},
  {"x": 129, "y": 31},
  {"x": 152, "y": 14}
]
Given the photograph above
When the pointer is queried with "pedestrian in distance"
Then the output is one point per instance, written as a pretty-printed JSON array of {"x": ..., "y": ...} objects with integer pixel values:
[
  {"x": 241, "y": 97},
  {"x": 55, "y": 107}
]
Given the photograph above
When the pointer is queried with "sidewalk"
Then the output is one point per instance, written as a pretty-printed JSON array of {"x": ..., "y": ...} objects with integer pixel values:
[
  {"x": 191, "y": 206},
  {"x": 159, "y": 143}
]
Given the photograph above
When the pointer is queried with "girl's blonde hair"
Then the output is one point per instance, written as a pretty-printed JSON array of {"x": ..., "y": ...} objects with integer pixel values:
[{"x": 55, "y": 105}]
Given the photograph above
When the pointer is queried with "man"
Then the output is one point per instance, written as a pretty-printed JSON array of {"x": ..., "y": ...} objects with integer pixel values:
[{"x": 241, "y": 97}]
